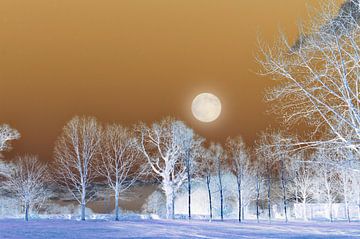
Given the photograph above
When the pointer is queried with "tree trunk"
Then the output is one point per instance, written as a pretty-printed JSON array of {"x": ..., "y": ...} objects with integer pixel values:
[
  {"x": 239, "y": 195},
  {"x": 330, "y": 212},
  {"x": 209, "y": 193},
  {"x": 243, "y": 212},
  {"x": 221, "y": 196},
  {"x": 347, "y": 210},
  {"x": 358, "y": 198},
  {"x": 257, "y": 198},
  {"x": 27, "y": 211},
  {"x": 169, "y": 205},
  {"x": 189, "y": 188},
  {"x": 83, "y": 202},
  {"x": 269, "y": 197},
  {"x": 82, "y": 211},
  {"x": 346, "y": 198},
  {"x": 283, "y": 182},
  {"x": 304, "y": 209},
  {"x": 169, "y": 197},
  {"x": 116, "y": 205},
  {"x": 173, "y": 205}
]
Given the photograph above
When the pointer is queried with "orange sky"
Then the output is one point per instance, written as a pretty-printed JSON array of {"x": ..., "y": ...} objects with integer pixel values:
[{"x": 129, "y": 60}]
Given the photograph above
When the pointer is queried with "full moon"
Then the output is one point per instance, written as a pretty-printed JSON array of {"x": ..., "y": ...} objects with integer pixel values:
[{"x": 206, "y": 107}]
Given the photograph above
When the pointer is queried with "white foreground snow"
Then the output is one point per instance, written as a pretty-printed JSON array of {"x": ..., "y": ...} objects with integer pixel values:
[{"x": 42, "y": 228}]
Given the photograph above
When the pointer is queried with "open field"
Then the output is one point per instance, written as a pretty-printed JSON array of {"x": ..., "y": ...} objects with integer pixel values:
[{"x": 54, "y": 229}]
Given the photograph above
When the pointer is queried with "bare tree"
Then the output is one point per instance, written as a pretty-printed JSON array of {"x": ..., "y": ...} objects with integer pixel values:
[
  {"x": 28, "y": 182},
  {"x": 240, "y": 161},
  {"x": 345, "y": 173},
  {"x": 192, "y": 149},
  {"x": 303, "y": 184},
  {"x": 318, "y": 76},
  {"x": 218, "y": 155},
  {"x": 163, "y": 144},
  {"x": 327, "y": 177},
  {"x": 281, "y": 146},
  {"x": 118, "y": 163},
  {"x": 266, "y": 156},
  {"x": 294, "y": 167},
  {"x": 257, "y": 172},
  {"x": 355, "y": 179},
  {"x": 75, "y": 152},
  {"x": 7, "y": 134},
  {"x": 248, "y": 188},
  {"x": 206, "y": 167}
]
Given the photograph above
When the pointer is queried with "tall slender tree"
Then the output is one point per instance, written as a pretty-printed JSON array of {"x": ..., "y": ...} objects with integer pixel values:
[
  {"x": 76, "y": 150},
  {"x": 218, "y": 155},
  {"x": 240, "y": 160},
  {"x": 192, "y": 149},
  {"x": 303, "y": 183},
  {"x": 207, "y": 168},
  {"x": 265, "y": 155},
  {"x": 326, "y": 176},
  {"x": 118, "y": 164}
]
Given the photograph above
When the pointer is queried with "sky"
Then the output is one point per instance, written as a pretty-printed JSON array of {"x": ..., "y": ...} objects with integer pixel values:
[{"x": 127, "y": 61}]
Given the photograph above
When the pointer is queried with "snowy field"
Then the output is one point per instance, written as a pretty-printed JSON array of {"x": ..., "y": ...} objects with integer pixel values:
[{"x": 54, "y": 229}]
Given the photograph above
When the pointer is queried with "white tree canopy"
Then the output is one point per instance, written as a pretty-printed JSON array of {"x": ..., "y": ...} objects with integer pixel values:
[
  {"x": 75, "y": 152},
  {"x": 28, "y": 182},
  {"x": 6, "y": 135},
  {"x": 164, "y": 146},
  {"x": 118, "y": 164},
  {"x": 319, "y": 76}
]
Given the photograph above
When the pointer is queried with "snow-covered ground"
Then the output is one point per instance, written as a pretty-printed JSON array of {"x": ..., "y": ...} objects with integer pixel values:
[{"x": 16, "y": 228}]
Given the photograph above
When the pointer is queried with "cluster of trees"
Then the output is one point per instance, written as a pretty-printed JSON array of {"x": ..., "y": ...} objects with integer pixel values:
[
  {"x": 168, "y": 151},
  {"x": 277, "y": 171},
  {"x": 318, "y": 77},
  {"x": 318, "y": 84},
  {"x": 323, "y": 175},
  {"x": 86, "y": 151}
]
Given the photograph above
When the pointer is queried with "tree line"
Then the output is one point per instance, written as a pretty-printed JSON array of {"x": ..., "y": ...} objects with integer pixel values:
[
  {"x": 317, "y": 84},
  {"x": 275, "y": 172}
]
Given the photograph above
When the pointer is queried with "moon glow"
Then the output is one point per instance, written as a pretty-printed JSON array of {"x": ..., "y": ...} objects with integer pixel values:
[{"x": 206, "y": 107}]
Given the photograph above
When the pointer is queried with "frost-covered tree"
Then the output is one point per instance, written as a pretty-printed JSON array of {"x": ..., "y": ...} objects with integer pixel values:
[
  {"x": 207, "y": 168},
  {"x": 7, "y": 134},
  {"x": 257, "y": 173},
  {"x": 5, "y": 168},
  {"x": 218, "y": 155},
  {"x": 318, "y": 76},
  {"x": 240, "y": 163},
  {"x": 283, "y": 148},
  {"x": 248, "y": 189},
  {"x": 326, "y": 177},
  {"x": 344, "y": 176},
  {"x": 344, "y": 169},
  {"x": 303, "y": 184},
  {"x": 266, "y": 157},
  {"x": 355, "y": 179},
  {"x": 191, "y": 150},
  {"x": 279, "y": 147},
  {"x": 118, "y": 164},
  {"x": 75, "y": 153},
  {"x": 294, "y": 167},
  {"x": 163, "y": 144},
  {"x": 28, "y": 182}
]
